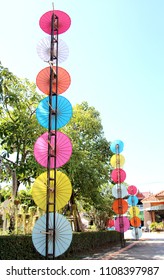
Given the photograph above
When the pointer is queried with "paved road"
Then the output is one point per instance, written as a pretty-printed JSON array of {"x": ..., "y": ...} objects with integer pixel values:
[{"x": 149, "y": 247}]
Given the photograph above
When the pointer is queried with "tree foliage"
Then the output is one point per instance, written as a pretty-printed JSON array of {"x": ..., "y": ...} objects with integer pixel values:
[
  {"x": 18, "y": 125},
  {"x": 89, "y": 165}
]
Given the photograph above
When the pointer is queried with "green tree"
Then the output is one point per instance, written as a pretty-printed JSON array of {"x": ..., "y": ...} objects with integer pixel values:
[
  {"x": 18, "y": 127},
  {"x": 89, "y": 166}
]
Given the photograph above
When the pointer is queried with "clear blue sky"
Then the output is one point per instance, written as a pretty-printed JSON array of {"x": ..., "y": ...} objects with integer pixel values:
[{"x": 116, "y": 64}]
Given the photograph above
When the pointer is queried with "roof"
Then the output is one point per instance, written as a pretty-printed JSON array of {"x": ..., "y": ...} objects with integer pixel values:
[
  {"x": 154, "y": 197},
  {"x": 142, "y": 195},
  {"x": 160, "y": 194}
]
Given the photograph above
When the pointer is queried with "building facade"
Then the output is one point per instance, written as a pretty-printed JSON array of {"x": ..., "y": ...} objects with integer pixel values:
[{"x": 153, "y": 207}]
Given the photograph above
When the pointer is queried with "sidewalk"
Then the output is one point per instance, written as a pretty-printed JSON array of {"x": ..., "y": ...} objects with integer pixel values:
[{"x": 149, "y": 246}]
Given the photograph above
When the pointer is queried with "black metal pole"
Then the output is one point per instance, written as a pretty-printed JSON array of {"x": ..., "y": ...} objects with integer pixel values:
[{"x": 121, "y": 222}]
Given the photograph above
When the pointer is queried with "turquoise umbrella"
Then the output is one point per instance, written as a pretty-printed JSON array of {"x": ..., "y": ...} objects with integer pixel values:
[
  {"x": 133, "y": 200},
  {"x": 63, "y": 113},
  {"x": 117, "y": 146}
]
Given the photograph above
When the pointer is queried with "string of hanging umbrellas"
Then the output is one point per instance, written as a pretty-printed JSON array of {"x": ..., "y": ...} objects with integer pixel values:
[
  {"x": 61, "y": 112},
  {"x": 119, "y": 191}
]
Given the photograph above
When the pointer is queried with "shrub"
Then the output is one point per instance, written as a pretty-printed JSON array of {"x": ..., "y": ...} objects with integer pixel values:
[
  {"x": 157, "y": 226},
  {"x": 20, "y": 247}
]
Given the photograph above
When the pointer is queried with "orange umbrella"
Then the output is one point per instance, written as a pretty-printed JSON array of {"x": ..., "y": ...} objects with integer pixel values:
[
  {"x": 43, "y": 80},
  {"x": 135, "y": 221},
  {"x": 63, "y": 190},
  {"x": 120, "y": 206}
]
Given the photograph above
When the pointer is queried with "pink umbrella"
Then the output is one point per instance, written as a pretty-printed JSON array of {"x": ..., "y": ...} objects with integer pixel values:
[
  {"x": 118, "y": 175},
  {"x": 63, "y": 149},
  {"x": 132, "y": 190},
  {"x": 122, "y": 224},
  {"x": 64, "y": 21}
]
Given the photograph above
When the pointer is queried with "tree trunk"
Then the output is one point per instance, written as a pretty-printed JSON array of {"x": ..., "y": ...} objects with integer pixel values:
[{"x": 78, "y": 226}]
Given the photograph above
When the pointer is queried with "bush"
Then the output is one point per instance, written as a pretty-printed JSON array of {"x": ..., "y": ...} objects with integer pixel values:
[
  {"x": 20, "y": 247},
  {"x": 157, "y": 226}
]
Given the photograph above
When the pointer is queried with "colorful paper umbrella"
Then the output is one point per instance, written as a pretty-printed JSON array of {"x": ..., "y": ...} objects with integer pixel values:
[
  {"x": 62, "y": 115},
  {"x": 63, "y": 149},
  {"x": 117, "y": 146},
  {"x": 63, "y": 235},
  {"x": 64, "y": 22},
  {"x": 132, "y": 190},
  {"x": 133, "y": 200},
  {"x": 44, "y": 50},
  {"x": 118, "y": 175},
  {"x": 136, "y": 233},
  {"x": 122, "y": 224},
  {"x": 43, "y": 80},
  {"x": 117, "y": 161},
  {"x": 110, "y": 223},
  {"x": 135, "y": 221},
  {"x": 120, "y": 206},
  {"x": 63, "y": 190},
  {"x": 134, "y": 211},
  {"x": 119, "y": 191}
]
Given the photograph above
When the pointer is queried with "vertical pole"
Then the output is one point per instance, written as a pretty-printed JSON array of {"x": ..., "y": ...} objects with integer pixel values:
[
  {"x": 121, "y": 223},
  {"x": 53, "y": 75}
]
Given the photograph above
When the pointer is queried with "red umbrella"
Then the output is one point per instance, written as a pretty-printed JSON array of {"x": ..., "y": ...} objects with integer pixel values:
[
  {"x": 63, "y": 149},
  {"x": 110, "y": 223}
]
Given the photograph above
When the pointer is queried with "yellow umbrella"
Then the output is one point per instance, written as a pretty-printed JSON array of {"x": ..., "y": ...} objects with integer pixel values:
[
  {"x": 63, "y": 190},
  {"x": 117, "y": 160},
  {"x": 134, "y": 211}
]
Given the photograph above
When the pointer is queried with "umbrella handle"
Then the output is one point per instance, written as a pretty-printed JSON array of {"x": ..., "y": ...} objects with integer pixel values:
[
  {"x": 53, "y": 111},
  {"x": 45, "y": 232},
  {"x": 48, "y": 142}
]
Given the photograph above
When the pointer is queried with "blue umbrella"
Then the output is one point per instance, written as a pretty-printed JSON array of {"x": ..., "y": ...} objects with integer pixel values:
[
  {"x": 133, "y": 200},
  {"x": 63, "y": 234},
  {"x": 114, "y": 144},
  {"x": 63, "y": 112}
]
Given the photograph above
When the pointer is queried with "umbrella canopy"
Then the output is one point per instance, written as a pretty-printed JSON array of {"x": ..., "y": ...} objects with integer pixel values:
[
  {"x": 135, "y": 221},
  {"x": 136, "y": 233},
  {"x": 63, "y": 149},
  {"x": 117, "y": 160},
  {"x": 62, "y": 115},
  {"x": 122, "y": 224},
  {"x": 110, "y": 223},
  {"x": 133, "y": 200},
  {"x": 63, "y": 234},
  {"x": 63, "y": 190},
  {"x": 118, "y": 175},
  {"x": 132, "y": 190},
  {"x": 120, "y": 206},
  {"x": 119, "y": 191},
  {"x": 134, "y": 211},
  {"x": 44, "y": 50},
  {"x": 117, "y": 146},
  {"x": 64, "y": 21},
  {"x": 43, "y": 80}
]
